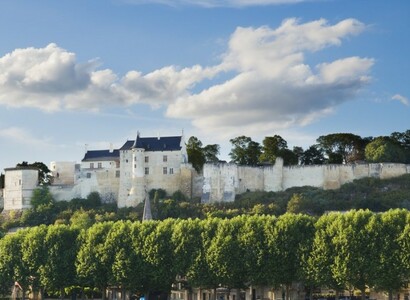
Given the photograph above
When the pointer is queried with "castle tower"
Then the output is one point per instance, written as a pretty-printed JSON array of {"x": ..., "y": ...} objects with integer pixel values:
[{"x": 137, "y": 192}]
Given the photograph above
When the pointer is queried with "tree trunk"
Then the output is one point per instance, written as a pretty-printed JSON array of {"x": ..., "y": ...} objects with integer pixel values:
[
  {"x": 337, "y": 292},
  {"x": 23, "y": 293},
  {"x": 287, "y": 292},
  {"x": 61, "y": 293},
  {"x": 103, "y": 293},
  {"x": 363, "y": 292}
]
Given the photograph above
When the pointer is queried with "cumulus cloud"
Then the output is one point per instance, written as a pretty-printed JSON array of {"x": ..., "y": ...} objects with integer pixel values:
[
  {"x": 272, "y": 85},
  {"x": 405, "y": 101},
  {"x": 51, "y": 79}
]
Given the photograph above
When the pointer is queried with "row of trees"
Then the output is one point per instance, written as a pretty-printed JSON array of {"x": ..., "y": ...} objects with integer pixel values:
[
  {"x": 337, "y": 148},
  {"x": 355, "y": 250}
]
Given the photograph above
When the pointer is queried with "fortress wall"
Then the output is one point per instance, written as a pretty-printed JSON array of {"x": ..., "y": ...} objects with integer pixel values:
[
  {"x": 390, "y": 170},
  {"x": 302, "y": 175},
  {"x": 63, "y": 172},
  {"x": 220, "y": 182},
  {"x": 249, "y": 178}
]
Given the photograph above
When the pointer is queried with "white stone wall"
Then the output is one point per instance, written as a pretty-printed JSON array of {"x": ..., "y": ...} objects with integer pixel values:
[
  {"x": 63, "y": 172},
  {"x": 220, "y": 178},
  {"x": 18, "y": 188}
]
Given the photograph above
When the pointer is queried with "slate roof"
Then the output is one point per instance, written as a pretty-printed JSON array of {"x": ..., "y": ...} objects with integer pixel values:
[
  {"x": 166, "y": 143},
  {"x": 93, "y": 155}
]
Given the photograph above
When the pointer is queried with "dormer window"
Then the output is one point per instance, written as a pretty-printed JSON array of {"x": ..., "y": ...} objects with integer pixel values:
[{"x": 165, "y": 158}]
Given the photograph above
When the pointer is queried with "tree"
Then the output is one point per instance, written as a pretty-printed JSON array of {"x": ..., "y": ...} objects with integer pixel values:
[
  {"x": 384, "y": 149},
  {"x": 41, "y": 197},
  {"x": 59, "y": 270},
  {"x": 289, "y": 241},
  {"x": 312, "y": 156},
  {"x": 198, "y": 155},
  {"x": 245, "y": 151},
  {"x": 271, "y": 147},
  {"x": 320, "y": 262},
  {"x": 393, "y": 275},
  {"x": 342, "y": 147},
  {"x": 35, "y": 256},
  {"x": 356, "y": 250},
  {"x": 91, "y": 267},
  {"x": 12, "y": 267}
]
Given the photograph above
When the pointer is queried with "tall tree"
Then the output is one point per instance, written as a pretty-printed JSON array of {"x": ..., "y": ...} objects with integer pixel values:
[
  {"x": 271, "y": 148},
  {"x": 385, "y": 149},
  {"x": 12, "y": 267},
  {"x": 289, "y": 241},
  {"x": 199, "y": 155},
  {"x": 61, "y": 246},
  {"x": 245, "y": 151},
  {"x": 342, "y": 147},
  {"x": 393, "y": 275},
  {"x": 92, "y": 269},
  {"x": 35, "y": 256},
  {"x": 312, "y": 156},
  {"x": 356, "y": 255}
]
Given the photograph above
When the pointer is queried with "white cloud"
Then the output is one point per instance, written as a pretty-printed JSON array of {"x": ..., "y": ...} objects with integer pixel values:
[
  {"x": 51, "y": 79},
  {"x": 22, "y": 136},
  {"x": 272, "y": 88},
  {"x": 275, "y": 88},
  {"x": 405, "y": 101}
]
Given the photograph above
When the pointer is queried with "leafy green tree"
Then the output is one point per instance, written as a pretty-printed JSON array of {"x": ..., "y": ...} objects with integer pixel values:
[
  {"x": 35, "y": 256},
  {"x": 156, "y": 252},
  {"x": 199, "y": 155},
  {"x": 342, "y": 147},
  {"x": 41, "y": 197},
  {"x": 254, "y": 248},
  {"x": 61, "y": 246},
  {"x": 271, "y": 148},
  {"x": 12, "y": 267},
  {"x": 224, "y": 255},
  {"x": 245, "y": 151},
  {"x": 393, "y": 275},
  {"x": 320, "y": 262},
  {"x": 200, "y": 273},
  {"x": 403, "y": 138},
  {"x": 195, "y": 154},
  {"x": 92, "y": 269},
  {"x": 356, "y": 250},
  {"x": 384, "y": 149},
  {"x": 211, "y": 153},
  {"x": 312, "y": 156},
  {"x": 186, "y": 242},
  {"x": 289, "y": 242}
]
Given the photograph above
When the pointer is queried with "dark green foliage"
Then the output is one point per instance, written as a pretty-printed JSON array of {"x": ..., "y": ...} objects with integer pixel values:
[
  {"x": 245, "y": 151},
  {"x": 44, "y": 173},
  {"x": 198, "y": 155}
]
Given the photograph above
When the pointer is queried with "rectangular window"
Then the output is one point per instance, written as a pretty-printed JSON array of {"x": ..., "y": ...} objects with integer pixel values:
[
  {"x": 165, "y": 158},
  {"x": 91, "y": 165},
  {"x": 117, "y": 174},
  {"x": 171, "y": 170},
  {"x": 99, "y": 165},
  {"x": 146, "y": 159},
  {"x": 164, "y": 171},
  {"x": 88, "y": 175},
  {"x": 146, "y": 171}
]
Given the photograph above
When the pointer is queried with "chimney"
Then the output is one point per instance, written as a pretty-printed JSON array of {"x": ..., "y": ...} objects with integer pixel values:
[
  {"x": 159, "y": 136},
  {"x": 111, "y": 148}
]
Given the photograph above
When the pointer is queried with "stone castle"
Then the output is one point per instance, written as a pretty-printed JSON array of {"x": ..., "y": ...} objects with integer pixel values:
[{"x": 127, "y": 174}]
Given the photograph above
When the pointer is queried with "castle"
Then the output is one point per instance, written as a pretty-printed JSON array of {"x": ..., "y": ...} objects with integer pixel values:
[{"x": 127, "y": 174}]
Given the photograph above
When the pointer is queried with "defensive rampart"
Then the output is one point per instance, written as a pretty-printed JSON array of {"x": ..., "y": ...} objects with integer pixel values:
[{"x": 223, "y": 181}]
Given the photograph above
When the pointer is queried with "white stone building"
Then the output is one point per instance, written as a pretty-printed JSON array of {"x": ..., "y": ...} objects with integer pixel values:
[
  {"x": 123, "y": 175},
  {"x": 19, "y": 185}
]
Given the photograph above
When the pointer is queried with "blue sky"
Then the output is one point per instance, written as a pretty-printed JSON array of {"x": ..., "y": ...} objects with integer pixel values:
[{"x": 95, "y": 72}]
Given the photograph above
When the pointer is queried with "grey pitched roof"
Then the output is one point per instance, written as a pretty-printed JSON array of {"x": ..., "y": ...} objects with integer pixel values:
[
  {"x": 93, "y": 155},
  {"x": 166, "y": 143}
]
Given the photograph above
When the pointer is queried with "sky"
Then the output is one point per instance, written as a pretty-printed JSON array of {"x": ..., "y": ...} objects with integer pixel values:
[{"x": 81, "y": 74}]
